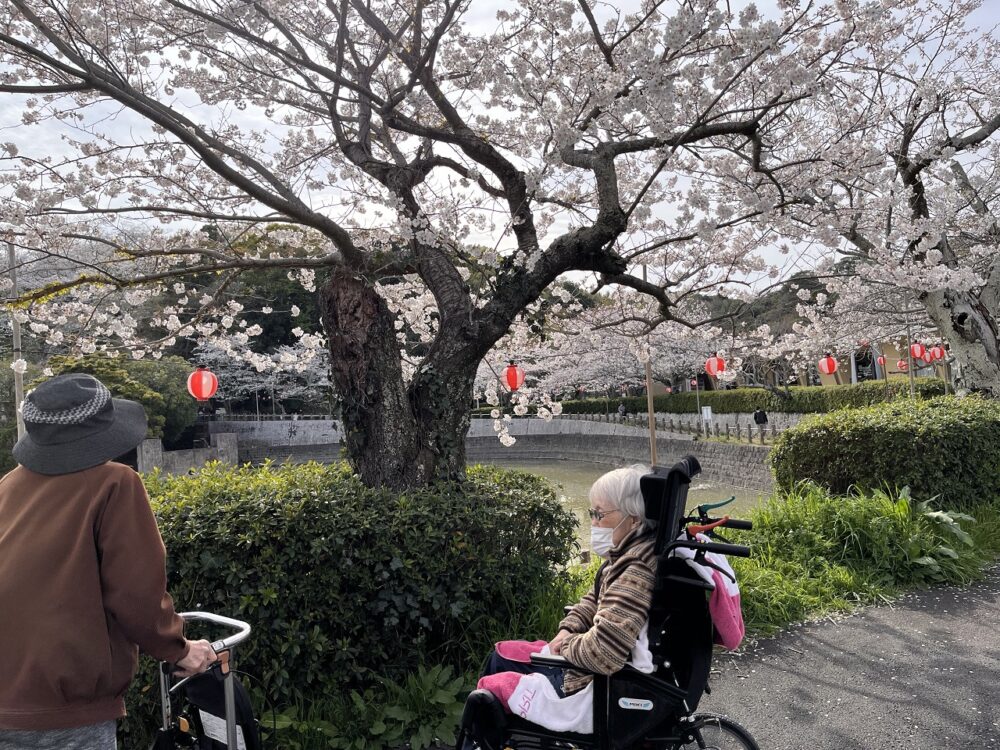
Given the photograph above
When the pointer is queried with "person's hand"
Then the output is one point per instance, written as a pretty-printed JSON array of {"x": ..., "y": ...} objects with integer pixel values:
[
  {"x": 556, "y": 643},
  {"x": 200, "y": 657}
]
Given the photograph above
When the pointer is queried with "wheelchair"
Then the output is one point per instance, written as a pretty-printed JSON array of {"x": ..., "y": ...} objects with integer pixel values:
[{"x": 632, "y": 709}]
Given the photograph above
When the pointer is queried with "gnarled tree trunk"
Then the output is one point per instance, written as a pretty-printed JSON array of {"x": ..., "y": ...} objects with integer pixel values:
[{"x": 397, "y": 435}]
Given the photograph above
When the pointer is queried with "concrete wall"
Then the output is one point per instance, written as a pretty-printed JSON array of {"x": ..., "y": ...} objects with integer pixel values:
[
  {"x": 281, "y": 432},
  {"x": 150, "y": 455}
]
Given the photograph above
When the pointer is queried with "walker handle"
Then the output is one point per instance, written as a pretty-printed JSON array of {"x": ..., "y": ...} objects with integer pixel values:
[{"x": 243, "y": 628}]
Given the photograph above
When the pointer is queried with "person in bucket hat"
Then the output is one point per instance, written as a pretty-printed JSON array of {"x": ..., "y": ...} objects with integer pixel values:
[{"x": 82, "y": 572}]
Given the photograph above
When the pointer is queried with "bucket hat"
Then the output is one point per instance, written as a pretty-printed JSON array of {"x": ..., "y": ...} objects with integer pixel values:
[{"x": 72, "y": 423}]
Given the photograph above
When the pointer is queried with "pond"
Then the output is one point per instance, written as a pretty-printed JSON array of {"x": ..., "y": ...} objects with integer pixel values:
[{"x": 574, "y": 479}]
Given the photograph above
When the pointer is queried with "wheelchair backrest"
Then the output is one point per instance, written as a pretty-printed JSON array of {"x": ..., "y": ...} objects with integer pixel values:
[
  {"x": 680, "y": 626},
  {"x": 664, "y": 494}
]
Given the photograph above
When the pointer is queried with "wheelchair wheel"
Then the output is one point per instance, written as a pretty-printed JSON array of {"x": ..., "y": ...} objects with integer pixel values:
[{"x": 719, "y": 733}]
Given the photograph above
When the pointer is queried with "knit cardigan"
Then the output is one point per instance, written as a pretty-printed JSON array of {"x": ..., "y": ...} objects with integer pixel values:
[{"x": 604, "y": 628}]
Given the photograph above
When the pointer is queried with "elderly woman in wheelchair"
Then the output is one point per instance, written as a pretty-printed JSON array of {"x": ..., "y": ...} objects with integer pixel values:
[{"x": 631, "y": 660}]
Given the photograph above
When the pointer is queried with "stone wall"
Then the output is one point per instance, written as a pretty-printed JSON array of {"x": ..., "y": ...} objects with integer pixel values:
[
  {"x": 150, "y": 455},
  {"x": 283, "y": 432}
]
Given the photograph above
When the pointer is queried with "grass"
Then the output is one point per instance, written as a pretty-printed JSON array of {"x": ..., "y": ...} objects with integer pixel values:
[{"x": 815, "y": 554}]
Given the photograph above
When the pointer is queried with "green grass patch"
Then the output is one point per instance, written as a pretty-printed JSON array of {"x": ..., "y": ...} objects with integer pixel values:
[{"x": 815, "y": 553}]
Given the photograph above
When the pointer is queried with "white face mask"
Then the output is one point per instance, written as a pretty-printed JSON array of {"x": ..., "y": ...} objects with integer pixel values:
[{"x": 601, "y": 538}]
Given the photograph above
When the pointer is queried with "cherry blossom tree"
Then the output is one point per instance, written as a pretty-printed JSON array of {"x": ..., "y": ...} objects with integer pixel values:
[
  {"x": 911, "y": 195},
  {"x": 367, "y": 145}
]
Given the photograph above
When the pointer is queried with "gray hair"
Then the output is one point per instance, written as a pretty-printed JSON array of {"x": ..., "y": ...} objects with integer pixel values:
[{"x": 620, "y": 487}]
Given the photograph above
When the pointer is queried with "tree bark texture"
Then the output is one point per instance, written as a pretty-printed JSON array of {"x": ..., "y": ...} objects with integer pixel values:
[
  {"x": 397, "y": 435},
  {"x": 972, "y": 327}
]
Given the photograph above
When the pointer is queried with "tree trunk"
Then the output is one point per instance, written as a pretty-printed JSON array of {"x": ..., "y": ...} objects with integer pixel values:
[
  {"x": 397, "y": 436},
  {"x": 971, "y": 327}
]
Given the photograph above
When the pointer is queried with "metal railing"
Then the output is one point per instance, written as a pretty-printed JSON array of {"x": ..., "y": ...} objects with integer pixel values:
[
  {"x": 719, "y": 427},
  {"x": 262, "y": 417}
]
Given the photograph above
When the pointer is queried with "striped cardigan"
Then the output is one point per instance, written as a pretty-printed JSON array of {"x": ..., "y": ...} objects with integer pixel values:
[{"x": 605, "y": 628}]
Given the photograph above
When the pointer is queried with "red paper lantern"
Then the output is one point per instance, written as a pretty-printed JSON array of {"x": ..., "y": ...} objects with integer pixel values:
[
  {"x": 881, "y": 361},
  {"x": 202, "y": 384},
  {"x": 918, "y": 350},
  {"x": 714, "y": 365},
  {"x": 827, "y": 365},
  {"x": 902, "y": 365},
  {"x": 936, "y": 353},
  {"x": 694, "y": 382},
  {"x": 513, "y": 376}
]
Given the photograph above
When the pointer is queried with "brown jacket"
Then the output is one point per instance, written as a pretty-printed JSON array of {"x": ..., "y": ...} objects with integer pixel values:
[
  {"x": 605, "y": 627},
  {"x": 82, "y": 585}
]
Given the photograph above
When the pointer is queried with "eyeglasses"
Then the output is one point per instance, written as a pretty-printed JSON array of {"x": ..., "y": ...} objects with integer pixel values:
[{"x": 598, "y": 515}]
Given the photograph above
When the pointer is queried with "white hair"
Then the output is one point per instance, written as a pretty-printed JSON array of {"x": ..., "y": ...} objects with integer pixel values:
[{"x": 620, "y": 488}]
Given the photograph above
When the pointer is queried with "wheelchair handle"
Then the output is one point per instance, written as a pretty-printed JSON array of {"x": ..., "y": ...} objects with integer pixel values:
[
  {"x": 733, "y": 523},
  {"x": 243, "y": 628},
  {"x": 734, "y": 550}
]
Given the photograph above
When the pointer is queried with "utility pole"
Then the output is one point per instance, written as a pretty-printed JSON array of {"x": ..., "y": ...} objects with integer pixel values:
[
  {"x": 650, "y": 414},
  {"x": 18, "y": 376},
  {"x": 909, "y": 359}
]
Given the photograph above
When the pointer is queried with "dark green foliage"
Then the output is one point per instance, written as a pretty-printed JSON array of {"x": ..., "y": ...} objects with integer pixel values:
[
  {"x": 421, "y": 710},
  {"x": 168, "y": 377},
  {"x": 8, "y": 415},
  {"x": 945, "y": 447},
  {"x": 346, "y": 585},
  {"x": 802, "y": 399},
  {"x": 8, "y": 436}
]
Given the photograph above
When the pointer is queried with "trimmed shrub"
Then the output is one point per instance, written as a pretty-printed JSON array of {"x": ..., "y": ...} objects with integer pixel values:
[
  {"x": 800, "y": 400},
  {"x": 946, "y": 448},
  {"x": 345, "y": 584}
]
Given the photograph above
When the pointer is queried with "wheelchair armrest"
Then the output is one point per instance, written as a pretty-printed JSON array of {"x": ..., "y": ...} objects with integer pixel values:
[{"x": 551, "y": 660}]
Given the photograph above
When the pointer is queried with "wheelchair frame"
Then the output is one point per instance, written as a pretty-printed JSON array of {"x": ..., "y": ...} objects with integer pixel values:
[{"x": 680, "y": 632}]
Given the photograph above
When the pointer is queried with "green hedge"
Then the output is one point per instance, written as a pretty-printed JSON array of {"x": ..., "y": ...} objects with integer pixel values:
[
  {"x": 945, "y": 447},
  {"x": 344, "y": 584},
  {"x": 802, "y": 399}
]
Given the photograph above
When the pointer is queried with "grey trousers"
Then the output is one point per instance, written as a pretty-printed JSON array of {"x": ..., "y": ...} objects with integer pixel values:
[{"x": 91, "y": 737}]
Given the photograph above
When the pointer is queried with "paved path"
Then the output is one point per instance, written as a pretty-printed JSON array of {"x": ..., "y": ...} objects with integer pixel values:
[{"x": 921, "y": 674}]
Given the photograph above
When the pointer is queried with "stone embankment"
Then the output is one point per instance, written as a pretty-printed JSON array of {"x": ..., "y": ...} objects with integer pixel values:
[{"x": 562, "y": 439}]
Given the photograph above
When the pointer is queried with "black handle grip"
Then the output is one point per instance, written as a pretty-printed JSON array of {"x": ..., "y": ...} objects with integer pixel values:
[
  {"x": 733, "y": 523},
  {"x": 733, "y": 550},
  {"x": 736, "y": 550}
]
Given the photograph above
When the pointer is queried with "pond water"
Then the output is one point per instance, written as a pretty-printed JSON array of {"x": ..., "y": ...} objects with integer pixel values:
[{"x": 574, "y": 479}]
